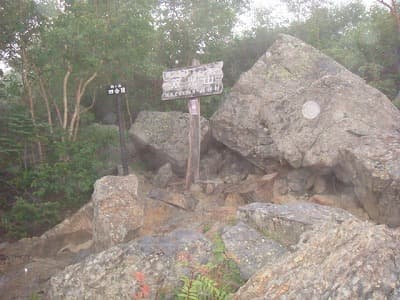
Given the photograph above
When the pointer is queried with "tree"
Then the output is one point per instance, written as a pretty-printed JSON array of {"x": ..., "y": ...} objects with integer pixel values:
[
  {"x": 189, "y": 28},
  {"x": 83, "y": 45},
  {"x": 393, "y": 9}
]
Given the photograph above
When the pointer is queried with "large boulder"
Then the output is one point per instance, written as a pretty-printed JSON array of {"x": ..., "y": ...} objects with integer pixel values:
[
  {"x": 263, "y": 117},
  {"x": 351, "y": 260},
  {"x": 162, "y": 137},
  {"x": 147, "y": 268},
  {"x": 298, "y": 105},
  {"x": 288, "y": 222},
  {"x": 117, "y": 210}
]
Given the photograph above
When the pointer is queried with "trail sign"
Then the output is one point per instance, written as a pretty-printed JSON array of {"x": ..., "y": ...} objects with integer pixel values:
[
  {"x": 115, "y": 89},
  {"x": 191, "y": 82}
]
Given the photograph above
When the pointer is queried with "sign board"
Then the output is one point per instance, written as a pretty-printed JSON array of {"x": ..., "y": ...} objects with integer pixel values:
[
  {"x": 203, "y": 80},
  {"x": 116, "y": 89}
]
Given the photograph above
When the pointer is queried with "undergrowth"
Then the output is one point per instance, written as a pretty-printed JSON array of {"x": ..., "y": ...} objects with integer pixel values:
[{"x": 217, "y": 280}]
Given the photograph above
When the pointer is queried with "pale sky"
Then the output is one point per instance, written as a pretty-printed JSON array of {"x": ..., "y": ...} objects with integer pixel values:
[
  {"x": 279, "y": 10},
  {"x": 275, "y": 3}
]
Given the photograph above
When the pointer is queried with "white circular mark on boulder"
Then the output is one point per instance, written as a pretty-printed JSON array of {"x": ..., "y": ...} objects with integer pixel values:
[{"x": 311, "y": 110}]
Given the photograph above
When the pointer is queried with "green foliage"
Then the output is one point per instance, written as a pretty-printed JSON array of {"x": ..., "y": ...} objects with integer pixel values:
[
  {"x": 36, "y": 297},
  {"x": 188, "y": 29},
  {"x": 27, "y": 218},
  {"x": 201, "y": 288},
  {"x": 16, "y": 136},
  {"x": 217, "y": 280},
  {"x": 19, "y": 23},
  {"x": 223, "y": 269},
  {"x": 366, "y": 42},
  {"x": 70, "y": 175},
  {"x": 10, "y": 87},
  {"x": 63, "y": 182}
]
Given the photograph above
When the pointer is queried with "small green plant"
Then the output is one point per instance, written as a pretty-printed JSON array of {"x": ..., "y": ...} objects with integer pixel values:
[
  {"x": 35, "y": 296},
  {"x": 216, "y": 280},
  {"x": 206, "y": 227},
  {"x": 201, "y": 288},
  {"x": 223, "y": 268}
]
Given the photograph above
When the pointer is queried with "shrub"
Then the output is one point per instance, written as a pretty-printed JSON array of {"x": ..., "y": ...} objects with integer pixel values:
[{"x": 27, "y": 218}]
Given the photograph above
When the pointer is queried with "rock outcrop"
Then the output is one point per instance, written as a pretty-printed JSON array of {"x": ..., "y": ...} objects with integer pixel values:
[
  {"x": 164, "y": 176},
  {"x": 250, "y": 249},
  {"x": 162, "y": 137},
  {"x": 286, "y": 223},
  {"x": 149, "y": 265},
  {"x": 373, "y": 167},
  {"x": 117, "y": 210},
  {"x": 300, "y": 106},
  {"x": 351, "y": 260}
]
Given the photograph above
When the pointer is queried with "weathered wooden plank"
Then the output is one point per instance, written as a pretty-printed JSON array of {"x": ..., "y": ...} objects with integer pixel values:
[{"x": 191, "y": 82}]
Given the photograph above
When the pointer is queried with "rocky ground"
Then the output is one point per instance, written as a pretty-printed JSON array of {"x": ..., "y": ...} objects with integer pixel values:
[
  {"x": 293, "y": 250},
  {"x": 27, "y": 266},
  {"x": 298, "y": 192}
]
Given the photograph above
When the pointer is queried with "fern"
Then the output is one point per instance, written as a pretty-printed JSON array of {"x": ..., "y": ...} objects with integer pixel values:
[{"x": 201, "y": 288}]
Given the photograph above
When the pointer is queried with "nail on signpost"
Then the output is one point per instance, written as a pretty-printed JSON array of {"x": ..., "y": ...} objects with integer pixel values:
[
  {"x": 117, "y": 90},
  {"x": 193, "y": 82}
]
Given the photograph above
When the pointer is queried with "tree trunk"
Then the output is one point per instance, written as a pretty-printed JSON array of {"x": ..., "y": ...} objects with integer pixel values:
[
  {"x": 74, "y": 123},
  {"x": 393, "y": 9},
  {"x": 46, "y": 100},
  {"x": 65, "y": 96}
]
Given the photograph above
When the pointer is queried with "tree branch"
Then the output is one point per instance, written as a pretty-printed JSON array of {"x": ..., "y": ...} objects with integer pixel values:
[
  {"x": 45, "y": 97},
  {"x": 65, "y": 95},
  {"x": 74, "y": 125}
]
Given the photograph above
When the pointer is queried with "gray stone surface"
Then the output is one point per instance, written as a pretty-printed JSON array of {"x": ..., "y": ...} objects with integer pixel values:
[
  {"x": 250, "y": 249},
  {"x": 185, "y": 201},
  {"x": 162, "y": 137},
  {"x": 112, "y": 274},
  {"x": 117, "y": 210},
  {"x": 79, "y": 221},
  {"x": 263, "y": 119},
  {"x": 298, "y": 179},
  {"x": 351, "y": 260},
  {"x": 164, "y": 176},
  {"x": 373, "y": 167},
  {"x": 286, "y": 223}
]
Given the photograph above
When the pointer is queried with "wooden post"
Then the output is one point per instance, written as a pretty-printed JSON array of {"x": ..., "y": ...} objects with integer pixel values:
[
  {"x": 189, "y": 168},
  {"x": 193, "y": 164},
  {"x": 196, "y": 140},
  {"x": 121, "y": 126}
]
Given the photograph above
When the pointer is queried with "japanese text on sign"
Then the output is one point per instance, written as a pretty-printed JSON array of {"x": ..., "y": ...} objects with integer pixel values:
[{"x": 193, "y": 82}]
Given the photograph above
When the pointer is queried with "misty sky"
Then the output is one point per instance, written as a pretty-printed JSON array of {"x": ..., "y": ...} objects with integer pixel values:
[{"x": 279, "y": 10}]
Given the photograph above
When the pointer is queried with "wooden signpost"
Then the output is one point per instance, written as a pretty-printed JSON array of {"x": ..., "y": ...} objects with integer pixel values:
[
  {"x": 117, "y": 90},
  {"x": 193, "y": 82}
]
